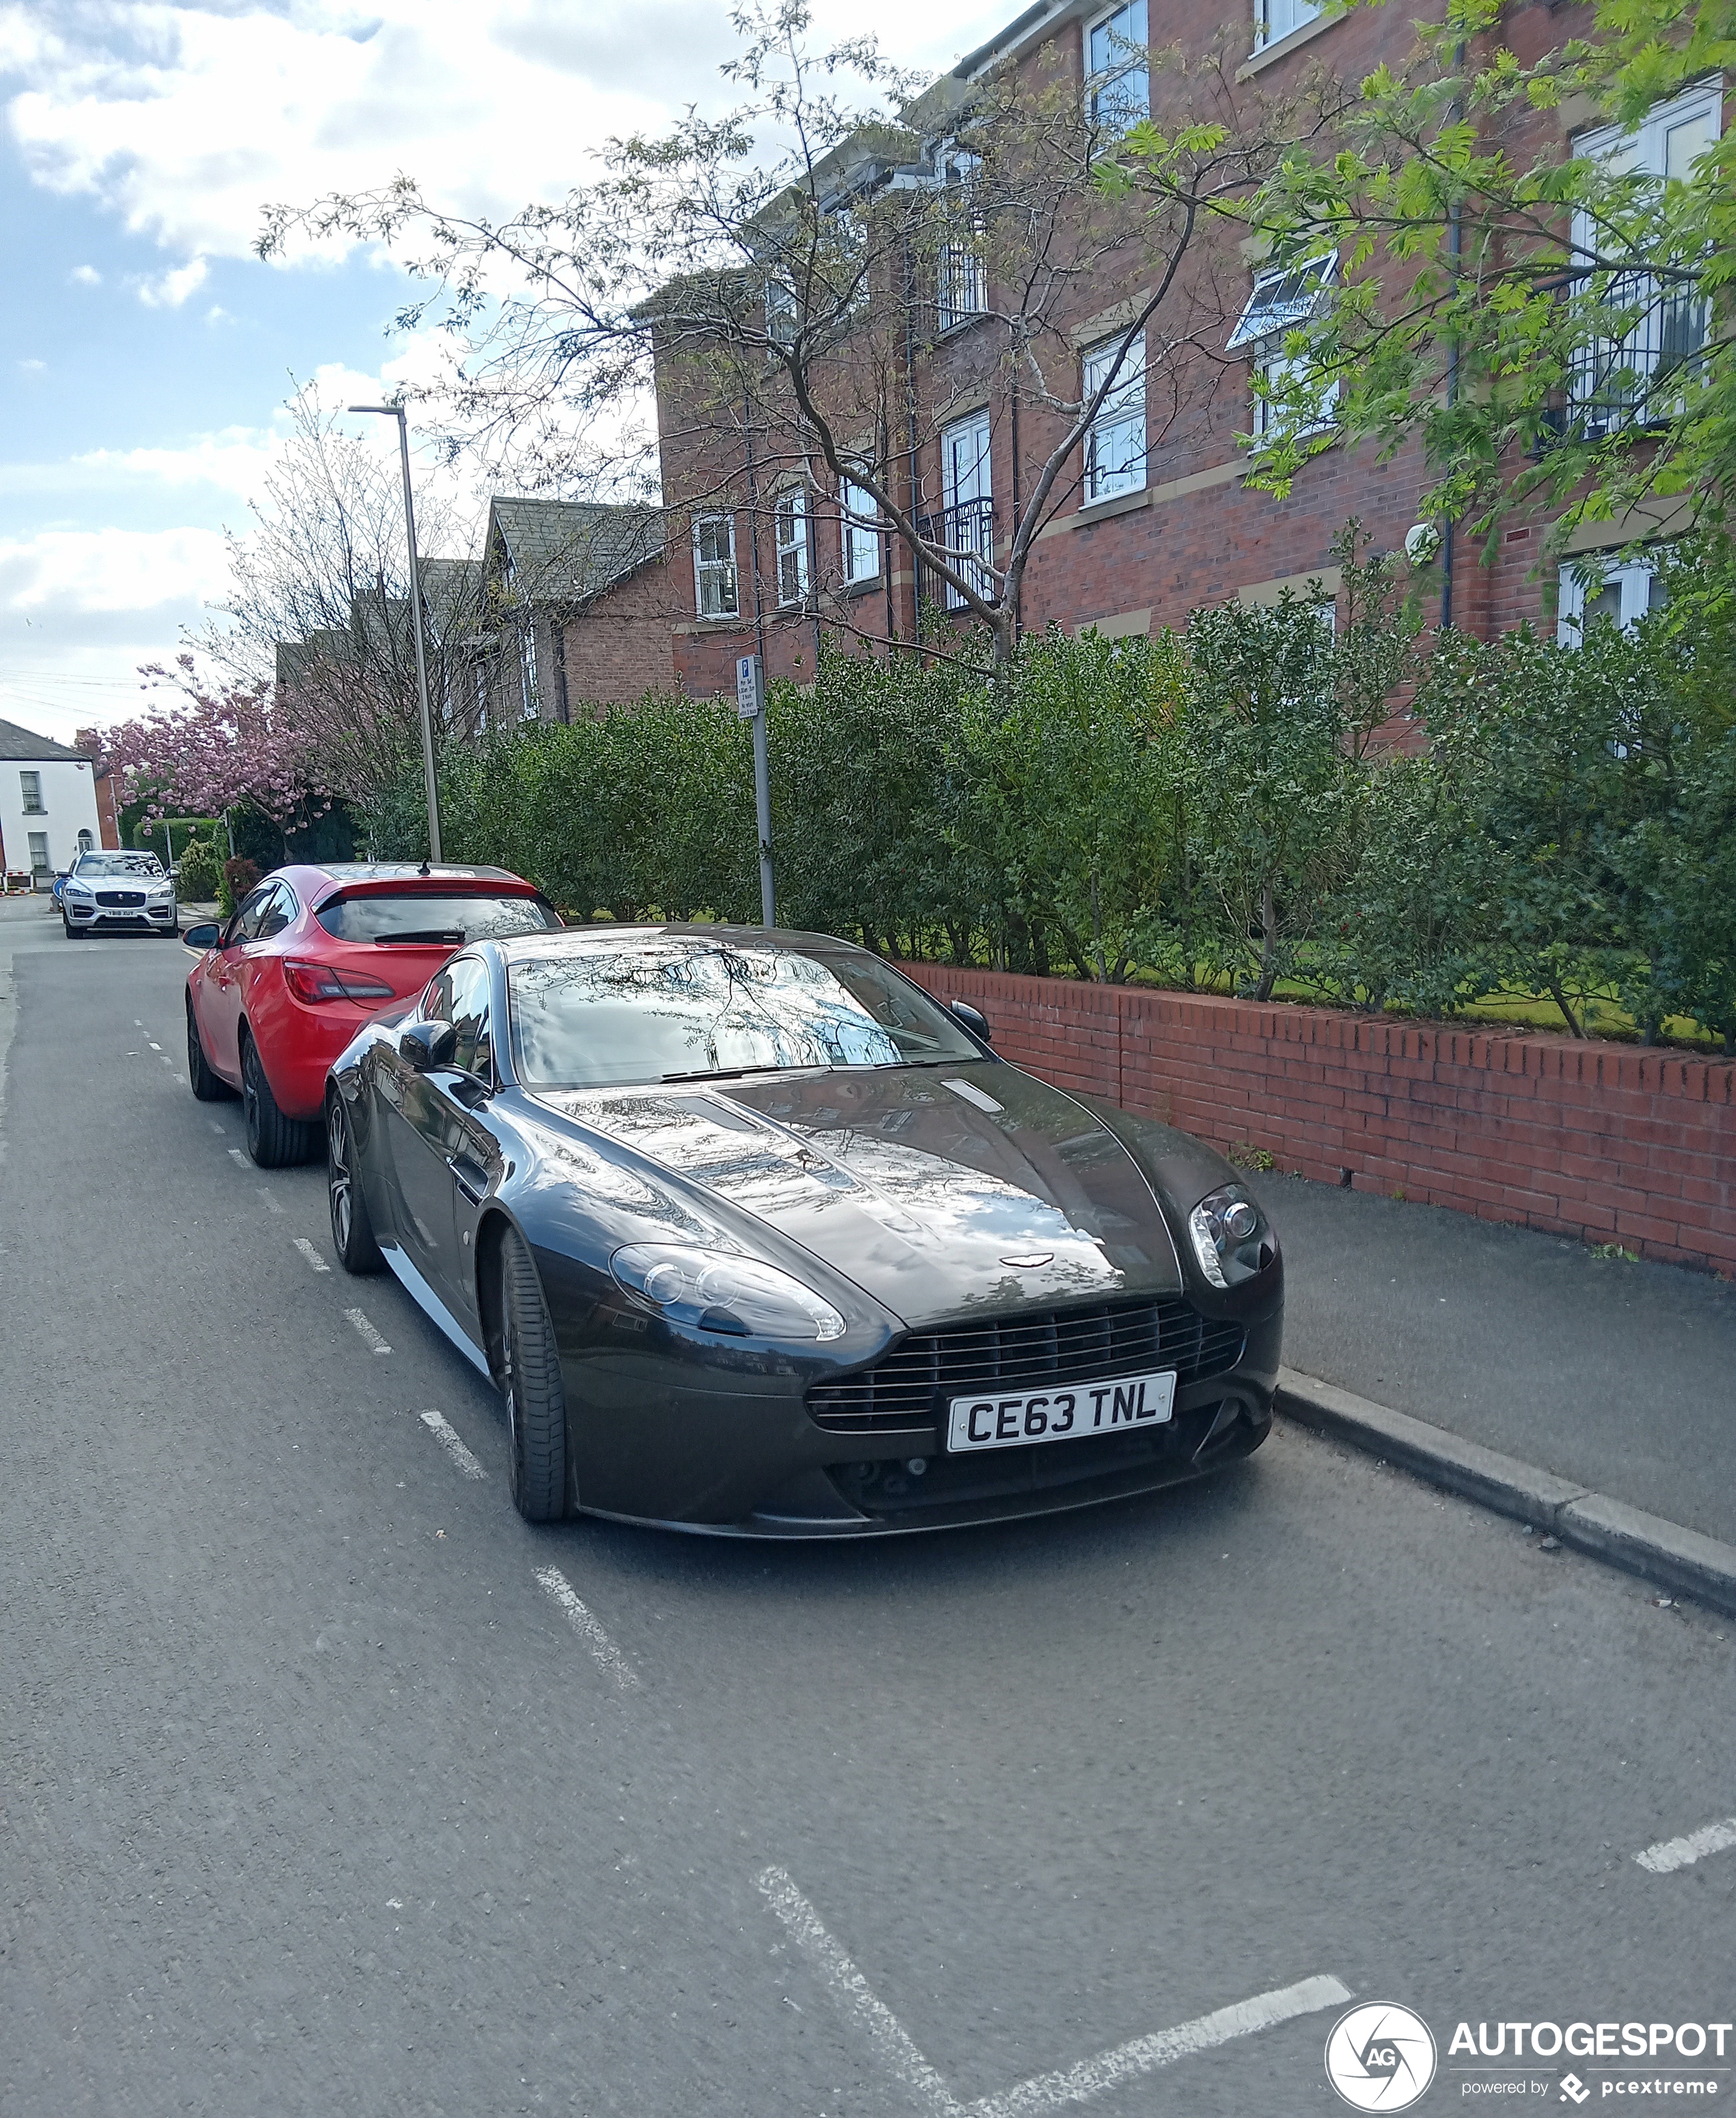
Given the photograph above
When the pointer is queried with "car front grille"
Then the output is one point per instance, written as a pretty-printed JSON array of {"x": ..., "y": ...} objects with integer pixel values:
[
  {"x": 120, "y": 900},
  {"x": 908, "y": 1386}
]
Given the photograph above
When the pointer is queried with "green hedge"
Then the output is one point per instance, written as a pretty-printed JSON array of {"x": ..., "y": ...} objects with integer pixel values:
[{"x": 1222, "y": 808}]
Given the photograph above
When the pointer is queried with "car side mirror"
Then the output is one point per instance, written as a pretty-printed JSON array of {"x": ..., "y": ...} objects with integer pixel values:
[
  {"x": 62, "y": 873},
  {"x": 427, "y": 1046},
  {"x": 973, "y": 1018},
  {"x": 202, "y": 937}
]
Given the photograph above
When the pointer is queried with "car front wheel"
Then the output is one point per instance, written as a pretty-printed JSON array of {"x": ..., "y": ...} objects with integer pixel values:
[
  {"x": 530, "y": 1383},
  {"x": 352, "y": 1230},
  {"x": 274, "y": 1141}
]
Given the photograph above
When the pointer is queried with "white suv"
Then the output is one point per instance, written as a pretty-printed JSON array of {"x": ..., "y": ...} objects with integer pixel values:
[{"x": 111, "y": 890}]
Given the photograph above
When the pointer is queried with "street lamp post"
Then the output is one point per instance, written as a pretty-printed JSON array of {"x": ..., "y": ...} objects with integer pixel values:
[{"x": 396, "y": 412}]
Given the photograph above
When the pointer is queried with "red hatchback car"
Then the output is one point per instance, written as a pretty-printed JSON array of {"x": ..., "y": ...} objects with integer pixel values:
[{"x": 307, "y": 957}]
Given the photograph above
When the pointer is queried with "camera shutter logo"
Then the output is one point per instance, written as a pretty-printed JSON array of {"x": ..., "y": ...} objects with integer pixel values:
[{"x": 1380, "y": 2057}]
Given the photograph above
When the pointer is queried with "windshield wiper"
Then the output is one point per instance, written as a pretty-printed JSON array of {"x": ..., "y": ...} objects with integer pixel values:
[{"x": 735, "y": 1073}]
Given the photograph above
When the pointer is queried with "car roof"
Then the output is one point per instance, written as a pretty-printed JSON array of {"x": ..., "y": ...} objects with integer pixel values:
[{"x": 317, "y": 881}]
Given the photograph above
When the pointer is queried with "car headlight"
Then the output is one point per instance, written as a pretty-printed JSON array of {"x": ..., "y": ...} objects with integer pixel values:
[
  {"x": 721, "y": 1291},
  {"x": 1232, "y": 1238},
  {"x": 74, "y": 890},
  {"x": 161, "y": 890}
]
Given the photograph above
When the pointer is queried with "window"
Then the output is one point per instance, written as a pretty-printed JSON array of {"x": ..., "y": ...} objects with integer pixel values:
[
  {"x": 279, "y": 908},
  {"x": 783, "y": 315},
  {"x": 473, "y": 1046},
  {"x": 967, "y": 520},
  {"x": 714, "y": 565},
  {"x": 414, "y": 916},
  {"x": 1273, "y": 19},
  {"x": 39, "y": 852},
  {"x": 30, "y": 784},
  {"x": 1115, "y": 441},
  {"x": 87, "y": 843},
  {"x": 960, "y": 279},
  {"x": 861, "y": 534},
  {"x": 1283, "y": 300},
  {"x": 790, "y": 519},
  {"x": 1622, "y": 593},
  {"x": 1120, "y": 84},
  {"x": 527, "y": 698},
  {"x": 1655, "y": 328}
]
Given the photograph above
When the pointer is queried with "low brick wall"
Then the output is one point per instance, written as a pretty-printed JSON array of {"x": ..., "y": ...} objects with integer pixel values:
[{"x": 1606, "y": 1143}]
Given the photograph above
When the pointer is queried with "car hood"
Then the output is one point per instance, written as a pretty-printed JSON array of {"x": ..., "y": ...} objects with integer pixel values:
[{"x": 938, "y": 1189}]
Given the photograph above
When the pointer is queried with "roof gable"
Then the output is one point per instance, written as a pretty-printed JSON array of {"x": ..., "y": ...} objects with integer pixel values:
[
  {"x": 16, "y": 743},
  {"x": 568, "y": 551}
]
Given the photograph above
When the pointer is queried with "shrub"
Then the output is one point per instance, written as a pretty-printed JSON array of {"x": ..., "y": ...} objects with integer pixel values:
[
  {"x": 239, "y": 876},
  {"x": 202, "y": 871}
]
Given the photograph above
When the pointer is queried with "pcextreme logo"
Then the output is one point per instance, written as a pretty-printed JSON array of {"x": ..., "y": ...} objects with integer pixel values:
[{"x": 1380, "y": 2057}]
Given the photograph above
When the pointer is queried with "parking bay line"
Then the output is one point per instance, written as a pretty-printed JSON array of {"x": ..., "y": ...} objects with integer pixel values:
[
  {"x": 1044, "y": 2092},
  {"x": 307, "y": 1250},
  {"x": 270, "y": 1203},
  {"x": 237, "y": 1157},
  {"x": 370, "y": 1337},
  {"x": 1669, "y": 1854},
  {"x": 563, "y": 1594},
  {"x": 446, "y": 1435}
]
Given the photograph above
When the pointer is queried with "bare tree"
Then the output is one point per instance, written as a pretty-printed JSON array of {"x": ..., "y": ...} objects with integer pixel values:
[{"x": 813, "y": 286}]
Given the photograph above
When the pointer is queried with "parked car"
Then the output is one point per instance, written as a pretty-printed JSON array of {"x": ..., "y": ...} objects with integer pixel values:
[
  {"x": 109, "y": 892},
  {"x": 309, "y": 955},
  {"x": 755, "y": 1237}
]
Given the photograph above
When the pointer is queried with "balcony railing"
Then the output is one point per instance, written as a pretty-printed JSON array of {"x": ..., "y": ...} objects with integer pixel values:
[
  {"x": 961, "y": 285},
  {"x": 1633, "y": 377},
  {"x": 966, "y": 531}
]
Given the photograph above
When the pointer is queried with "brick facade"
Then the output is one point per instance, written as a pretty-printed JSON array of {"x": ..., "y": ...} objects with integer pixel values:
[{"x": 1602, "y": 1143}]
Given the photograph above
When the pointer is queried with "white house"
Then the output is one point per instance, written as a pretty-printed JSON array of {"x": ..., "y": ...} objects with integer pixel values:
[{"x": 47, "y": 803}]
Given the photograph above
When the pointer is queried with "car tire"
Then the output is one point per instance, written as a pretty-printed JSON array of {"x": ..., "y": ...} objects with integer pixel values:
[
  {"x": 352, "y": 1228},
  {"x": 530, "y": 1385},
  {"x": 273, "y": 1141},
  {"x": 73, "y": 933},
  {"x": 208, "y": 1085}
]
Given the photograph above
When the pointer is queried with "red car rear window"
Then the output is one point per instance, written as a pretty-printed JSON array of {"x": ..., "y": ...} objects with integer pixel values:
[{"x": 418, "y": 915}]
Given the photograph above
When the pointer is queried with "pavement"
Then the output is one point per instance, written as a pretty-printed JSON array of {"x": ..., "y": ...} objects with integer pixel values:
[{"x": 328, "y": 1785}]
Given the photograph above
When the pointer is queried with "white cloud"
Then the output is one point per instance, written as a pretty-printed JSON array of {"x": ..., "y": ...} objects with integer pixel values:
[
  {"x": 32, "y": 367},
  {"x": 187, "y": 119},
  {"x": 170, "y": 289},
  {"x": 84, "y": 276},
  {"x": 76, "y": 570}
]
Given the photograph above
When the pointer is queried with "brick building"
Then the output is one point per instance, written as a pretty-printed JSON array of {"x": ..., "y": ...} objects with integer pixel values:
[{"x": 1152, "y": 516}]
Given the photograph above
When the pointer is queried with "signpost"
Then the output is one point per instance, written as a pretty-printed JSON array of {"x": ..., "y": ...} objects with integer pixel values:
[{"x": 750, "y": 703}]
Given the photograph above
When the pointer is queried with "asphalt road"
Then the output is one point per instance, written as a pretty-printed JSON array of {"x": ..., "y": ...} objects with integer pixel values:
[{"x": 315, "y": 1798}]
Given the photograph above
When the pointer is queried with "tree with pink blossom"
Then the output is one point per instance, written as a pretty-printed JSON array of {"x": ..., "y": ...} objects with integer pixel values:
[{"x": 213, "y": 748}]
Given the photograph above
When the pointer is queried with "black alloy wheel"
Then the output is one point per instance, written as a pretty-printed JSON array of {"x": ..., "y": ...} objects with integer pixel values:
[
  {"x": 274, "y": 1141},
  {"x": 530, "y": 1383},
  {"x": 352, "y": 1230},
  {"x": 208, "y": 1085}
]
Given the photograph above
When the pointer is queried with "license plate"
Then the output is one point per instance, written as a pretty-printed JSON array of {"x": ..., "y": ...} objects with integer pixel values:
[{"x": 1017, "y": 1419}]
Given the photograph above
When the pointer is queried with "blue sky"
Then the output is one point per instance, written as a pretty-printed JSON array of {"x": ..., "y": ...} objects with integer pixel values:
[{"x": 145, "y": 353}]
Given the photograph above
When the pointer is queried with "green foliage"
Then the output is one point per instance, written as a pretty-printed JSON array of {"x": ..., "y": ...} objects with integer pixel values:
[
  {"x": 157, "y": 835},
  {"x": 202, "y": 871},
  {"x": 1228, "y": 807}
]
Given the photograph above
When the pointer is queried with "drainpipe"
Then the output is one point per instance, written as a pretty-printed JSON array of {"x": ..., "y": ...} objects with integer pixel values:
[
  {"x": 909, "y": 380},
  {"x": 1455, "y": 245}
]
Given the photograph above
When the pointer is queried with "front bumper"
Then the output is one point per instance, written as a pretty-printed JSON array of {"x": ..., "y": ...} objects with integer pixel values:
[
  {"x": 132, "y": 918},
  {"x": 734, "y": 1451}
]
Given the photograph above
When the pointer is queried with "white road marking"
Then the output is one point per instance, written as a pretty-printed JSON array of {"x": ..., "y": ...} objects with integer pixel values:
[
  {"x": 271, "y": 1204},
  {"x": 446, "y": 1435},
  {"x": 153, "y": 1043},
  {"x": 214, "y": 1126},
  {"x": 136, "y": 1024},
  {"x": 1671, "y": 1853},
  {"x": 1044, "y": 2092},
  {"x": 308, "y": 1251},
  {"x": 370, "y": 1337},
  {"x": 237, "y": 1157},
  {"x": 561, "y": 1591}
]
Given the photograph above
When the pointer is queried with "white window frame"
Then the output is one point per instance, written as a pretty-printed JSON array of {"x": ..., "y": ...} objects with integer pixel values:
[
  {"x": 30, "y": 791},
  {"x": 859, "y": 535},
  {"x": 719, "y": 570},
  {"x": 36, "y": 843},
  {"x": 1111, "y": 465},
  {"x": 967, "y": 480},
  {"x": 1283, "y": 299},
  {"x": 789, "y": 534},
  {"x": 783, "y": 312},
  {"x": 1276, "y": 20},
  {"x": 1102, "y": 81},
  {"x": 960, "y": 276},
  {"x": 1274, "y": 370},
  {"x": 1632, "y": 581}
]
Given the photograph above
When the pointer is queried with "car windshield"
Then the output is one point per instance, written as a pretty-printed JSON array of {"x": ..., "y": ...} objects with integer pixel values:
[
  {"x": 118, "y": 864},
  {"x": 670, "y": 1009},
  {"x": 429, "y": 916}
]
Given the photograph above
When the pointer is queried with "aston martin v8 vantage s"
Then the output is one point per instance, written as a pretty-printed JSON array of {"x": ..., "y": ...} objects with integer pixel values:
[{"x": 755, "y": 1237}]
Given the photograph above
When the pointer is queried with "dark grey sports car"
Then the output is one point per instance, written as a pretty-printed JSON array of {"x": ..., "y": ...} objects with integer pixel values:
[{"x": 757, "y": 1237}]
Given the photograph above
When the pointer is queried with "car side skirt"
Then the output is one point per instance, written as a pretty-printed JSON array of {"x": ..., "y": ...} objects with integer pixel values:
[{"x": 434, "y": 1309}]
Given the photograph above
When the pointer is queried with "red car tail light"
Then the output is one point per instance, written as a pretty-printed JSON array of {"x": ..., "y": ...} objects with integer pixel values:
[{"x": 313, "y": 982}]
